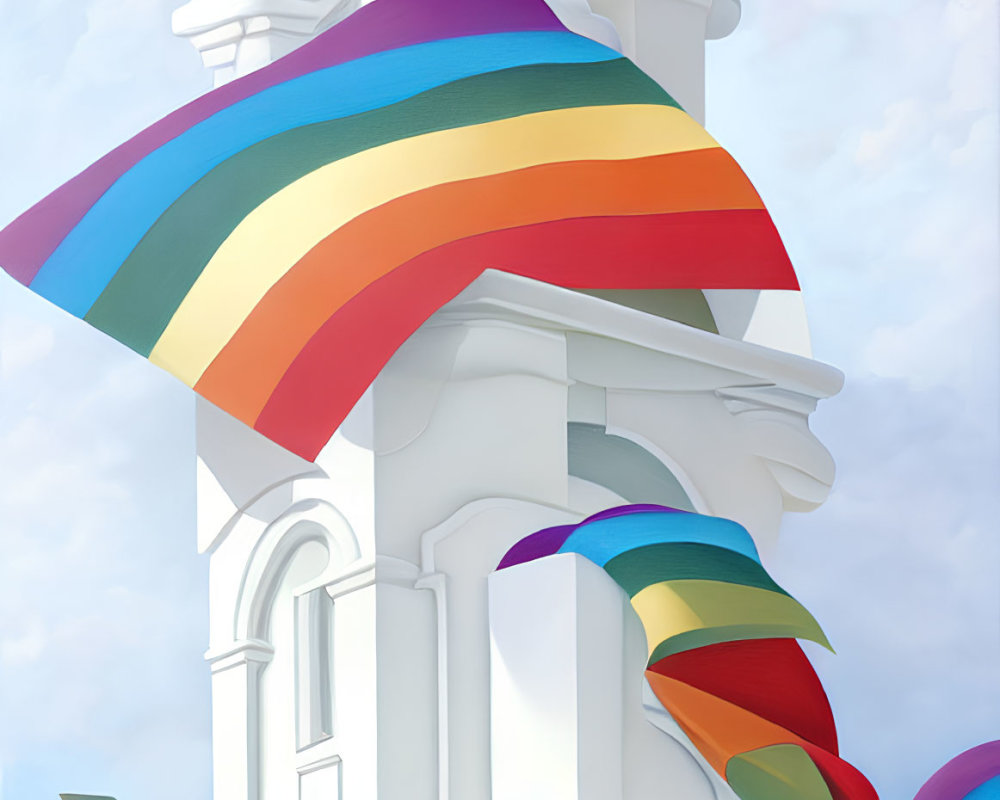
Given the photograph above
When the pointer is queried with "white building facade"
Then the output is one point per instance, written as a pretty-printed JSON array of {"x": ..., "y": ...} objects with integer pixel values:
[{"x": 362, "y": 644}]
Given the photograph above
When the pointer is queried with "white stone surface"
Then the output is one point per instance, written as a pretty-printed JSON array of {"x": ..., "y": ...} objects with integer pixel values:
[
  {"x": 236, "y": 37},
  {"x": 321, "y": 782},
  {"x": 664, "y": 37},
  {"x": 569, "y": 719},
  {"x": 557, "y": 651},
  {"x": 779, "y": 321},
  {"x": 579, "y": 17},
  {"x": 457, "y": 452}
]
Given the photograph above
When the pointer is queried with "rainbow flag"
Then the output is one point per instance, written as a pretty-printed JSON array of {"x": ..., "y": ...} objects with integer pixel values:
[
  {"x": 723, "y": 659},
  {"x": 274, "y": 242}
]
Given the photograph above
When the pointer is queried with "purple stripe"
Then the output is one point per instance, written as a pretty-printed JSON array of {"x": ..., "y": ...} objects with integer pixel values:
[
  {"x": 547, "y": 542},
  {"x": 383, "y": 25},
  {"x": 538, "y": 545},
  {"x": 963, "y": 774},
  {"x": 638, "y": 508}
]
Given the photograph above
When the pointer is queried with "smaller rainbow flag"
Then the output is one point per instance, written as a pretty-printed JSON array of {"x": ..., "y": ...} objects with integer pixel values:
[{"x": 723, "y": 659}]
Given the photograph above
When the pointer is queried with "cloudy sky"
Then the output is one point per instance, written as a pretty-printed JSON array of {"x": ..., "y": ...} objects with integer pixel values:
[{"x": 871, "y": 130}]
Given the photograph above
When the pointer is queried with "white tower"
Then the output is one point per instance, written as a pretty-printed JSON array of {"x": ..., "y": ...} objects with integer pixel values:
[{"x": 353, "y": 613}]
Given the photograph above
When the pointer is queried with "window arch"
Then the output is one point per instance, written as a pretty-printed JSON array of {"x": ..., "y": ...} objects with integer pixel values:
[{"x": 623, "y": 466}]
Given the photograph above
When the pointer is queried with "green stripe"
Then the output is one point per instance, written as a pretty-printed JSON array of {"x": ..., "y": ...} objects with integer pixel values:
[
  {"x": 777, "y": 772},
  {"x": 634, "y": 570},
  {"x": 681, "y": 305},
  {"x": 138, "y": 303},
  {"x": 691, "y": 640}
]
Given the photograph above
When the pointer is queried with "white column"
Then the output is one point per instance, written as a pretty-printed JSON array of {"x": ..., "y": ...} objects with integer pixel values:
[
  {"x": 235, "y": 749},
  {"x": 666, "y": 38},
  {"x": 235, "y": 37},
  {"x": 556, "y": 646},
  {"x": 384, "y": 679},
  {"x": 406, "y": 671},
  {"x": 464, "y": 412}
]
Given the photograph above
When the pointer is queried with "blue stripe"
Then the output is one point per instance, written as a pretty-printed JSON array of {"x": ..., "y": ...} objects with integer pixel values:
[
  {"x": 986, "y": 791},
  {"x": 604, "y": 539},
  {"x": 87, "y": 259}
]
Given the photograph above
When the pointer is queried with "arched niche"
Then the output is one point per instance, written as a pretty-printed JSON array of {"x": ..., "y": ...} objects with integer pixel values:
[
  {"x": 568, "y": 653},
  {"x": 273, "y": 691},
  {"x": 306, "y": 521},
  {"x": 625, "y": 467}
]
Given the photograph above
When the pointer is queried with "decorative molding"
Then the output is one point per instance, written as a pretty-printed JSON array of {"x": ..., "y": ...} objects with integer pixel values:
[
  {"x": 321, "y": 779},
  {"x": 359, "y": 577},
  {"x": 505, "y": 296},
  {"x": 322, "y": 763},
  {"x": 437, "y": 582},
  {"x": 383, "y": 570},
  {"x": 723, "y": 18},
  {"x": 430, "y": 538},
  {"x": 740, "y": 399},
  {"x": 247, "y": 509},
  {"x": 776, "y": 422},
  {"x": 239, "y": 653},
  {"x": 305, "y": 521},
  {"x": 219, "y": 29}
]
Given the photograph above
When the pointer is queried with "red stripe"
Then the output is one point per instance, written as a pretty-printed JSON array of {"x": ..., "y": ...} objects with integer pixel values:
[
  {"x": 770, "y": 677},
  {"x": 844, "y": 781},
  {"x": 697, "y": 250}
]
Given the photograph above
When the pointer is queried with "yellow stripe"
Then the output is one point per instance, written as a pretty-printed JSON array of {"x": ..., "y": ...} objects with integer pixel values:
[
  {"x": 671, "y": 608},
  {"x": 275, "y": 235}
]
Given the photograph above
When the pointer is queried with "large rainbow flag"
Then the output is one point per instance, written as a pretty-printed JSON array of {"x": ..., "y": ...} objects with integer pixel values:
[
  {"x": 273, "y": 242},
  {"x": 721, "y": 634}
]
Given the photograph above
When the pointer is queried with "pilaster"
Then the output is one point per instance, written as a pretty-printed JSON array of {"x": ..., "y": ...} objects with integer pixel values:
[
  {"x": 235, "y": 725},
  {"x": 235, "y": 37}
]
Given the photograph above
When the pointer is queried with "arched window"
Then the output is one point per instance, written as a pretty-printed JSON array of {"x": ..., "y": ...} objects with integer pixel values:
[
  {"x": 274, "y": 698},
  {"x": 296, "y": 687}
]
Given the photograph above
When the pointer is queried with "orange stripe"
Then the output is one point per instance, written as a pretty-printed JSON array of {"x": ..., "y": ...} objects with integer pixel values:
[
  {"x": 736, "y": 249},
  {"x": 243, "y": 375},
  {"x": 719, "y": 729}
]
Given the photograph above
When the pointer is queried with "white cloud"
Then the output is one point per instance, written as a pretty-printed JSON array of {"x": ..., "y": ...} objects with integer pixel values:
[
  {"x": 25, "y": 342},
  {"x": 899, "y": 567},
  {"x": 979, "y": 149},
  {"x": 104, "y": 598},
  {"x": 80, "y": 78},
  {"x": 23, "y": 643},
  {"x": 905, "y": 122},
  {"x": 972, "y": 25}
]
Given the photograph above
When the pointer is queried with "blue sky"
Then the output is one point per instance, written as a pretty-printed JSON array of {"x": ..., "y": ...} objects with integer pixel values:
[{"x": 871, "y": 131}]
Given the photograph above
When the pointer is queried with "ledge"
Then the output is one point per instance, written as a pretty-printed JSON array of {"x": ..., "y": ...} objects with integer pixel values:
[
  {"x": 500, "y": 295},
  {"x": 200, "y": 16}
]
